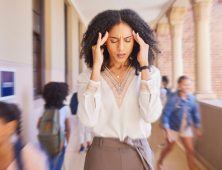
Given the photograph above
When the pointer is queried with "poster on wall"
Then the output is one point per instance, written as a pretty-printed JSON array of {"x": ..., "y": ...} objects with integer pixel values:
[{"x": 7, "y": 83}]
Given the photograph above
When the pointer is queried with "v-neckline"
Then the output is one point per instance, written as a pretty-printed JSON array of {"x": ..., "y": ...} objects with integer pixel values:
[
  {"x": 119, "y": 89},
  {"x": 114, "y": 77}
]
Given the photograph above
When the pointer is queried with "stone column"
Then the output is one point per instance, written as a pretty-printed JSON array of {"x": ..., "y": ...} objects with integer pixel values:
[
  {"x": 202, "y": 10},
  {"x": 176, "y": 19}
]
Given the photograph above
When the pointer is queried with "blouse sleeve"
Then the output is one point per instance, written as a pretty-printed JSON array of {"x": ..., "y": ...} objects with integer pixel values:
[
  {"x": 149, "y": 99},
  {"x": 89, "y": 98}
]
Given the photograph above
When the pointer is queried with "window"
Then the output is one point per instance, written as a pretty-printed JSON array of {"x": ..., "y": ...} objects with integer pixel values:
[{"x": 38, "y": 47}]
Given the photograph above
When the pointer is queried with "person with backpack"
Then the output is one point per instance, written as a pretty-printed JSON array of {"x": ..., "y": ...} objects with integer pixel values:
[
  {"x": 165, "y": 83},
  {"x": 179, "y": 112},
  {"x": 14, "y": 155},
  {"x": 164, "y": 94},
  {"x": 82, "y": 129},
  {"x": 54, "y": 125}
]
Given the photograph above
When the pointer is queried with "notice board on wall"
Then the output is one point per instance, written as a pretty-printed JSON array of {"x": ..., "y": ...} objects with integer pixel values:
[{"x": 7, "y": 83}]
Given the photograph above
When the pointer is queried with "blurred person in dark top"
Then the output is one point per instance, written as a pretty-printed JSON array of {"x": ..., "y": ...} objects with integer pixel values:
[
  {"x": 165, "y": 83},
  {"x": 16, "y": 155},
  {"x": 179, "y": 112},
  {"x": 164, "y": 94}
]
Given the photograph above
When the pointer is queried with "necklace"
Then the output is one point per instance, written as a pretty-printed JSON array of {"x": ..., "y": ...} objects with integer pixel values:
[{"x": 116, "y": 74}]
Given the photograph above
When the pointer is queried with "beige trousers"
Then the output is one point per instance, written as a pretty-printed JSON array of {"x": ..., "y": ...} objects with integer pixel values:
[{"x": 112, "y": 154}]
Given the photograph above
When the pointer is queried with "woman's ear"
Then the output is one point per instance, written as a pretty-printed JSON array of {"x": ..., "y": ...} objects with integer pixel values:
[{"x": 11, "y": 127}]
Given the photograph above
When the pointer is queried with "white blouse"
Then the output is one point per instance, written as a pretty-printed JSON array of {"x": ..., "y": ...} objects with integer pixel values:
[{"x": 119, "y": 109}]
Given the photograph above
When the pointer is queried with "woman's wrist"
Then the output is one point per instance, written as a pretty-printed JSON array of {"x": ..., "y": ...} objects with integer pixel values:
[
  {"x": 145, "y": 63},
  {"x": 95, "y": 76},
  {"x": 97, "y": 66}
]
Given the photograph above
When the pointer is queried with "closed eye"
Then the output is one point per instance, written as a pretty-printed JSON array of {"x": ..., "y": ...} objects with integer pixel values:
[
  {"x": 114, "y": 41},
  {"x": 128, "y": 39}
]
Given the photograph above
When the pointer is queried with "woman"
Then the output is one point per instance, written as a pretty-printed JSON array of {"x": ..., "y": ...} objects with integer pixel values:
[
  {"x": 180, "y": 109},
  {"x": 15, "y": 156},
  {"x": 54, "y": 94},
  {"x": 116, "y": 100}
]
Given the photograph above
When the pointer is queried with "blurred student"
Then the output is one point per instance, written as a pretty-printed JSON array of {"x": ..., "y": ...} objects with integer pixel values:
[
  {"x": 165, "y": 83},
  {"x": 179, "y": 112},
  {"x": 164, "y": 93},
  {"x": 15, "y": 155},
  {"x": 54, "y": 125},
  {"x": 83, "y": 131}
]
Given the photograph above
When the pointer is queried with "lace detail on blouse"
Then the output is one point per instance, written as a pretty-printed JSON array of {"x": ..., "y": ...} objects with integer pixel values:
[
  {"x": 93, "y": 88},
  {"x": 119, "y": 89},
  {"x": 147, "y": 86},
  {"x": 144, "y": 87}
]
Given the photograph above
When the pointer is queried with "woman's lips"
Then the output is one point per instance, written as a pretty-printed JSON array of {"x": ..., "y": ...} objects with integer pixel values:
[{"x": 121, "y": 55}]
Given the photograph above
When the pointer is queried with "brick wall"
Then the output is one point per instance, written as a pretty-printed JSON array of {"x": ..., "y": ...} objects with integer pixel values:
[
  {"x": 164, "y": 58},
  {"x": 188, "y": 48}
]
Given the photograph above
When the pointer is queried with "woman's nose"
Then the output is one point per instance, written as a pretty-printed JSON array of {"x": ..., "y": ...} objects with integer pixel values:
[{"x": 121, "y": 45}]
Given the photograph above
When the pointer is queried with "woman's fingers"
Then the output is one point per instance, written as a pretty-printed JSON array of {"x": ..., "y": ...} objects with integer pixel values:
[
  {"x": 105, "y": 37},
  {"x": 139, "y": 40},
  {"x": 99, "y": 39},
  {"x": 135, "y": 37}
]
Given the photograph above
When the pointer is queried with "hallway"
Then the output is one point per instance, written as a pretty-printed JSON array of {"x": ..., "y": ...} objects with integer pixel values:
[
  {"x": 41, "y": 42},
  {"x": 176, "y": 160}
]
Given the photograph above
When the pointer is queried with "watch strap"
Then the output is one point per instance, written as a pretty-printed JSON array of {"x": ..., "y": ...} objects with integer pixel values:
[{"x": 144, "y": 67}]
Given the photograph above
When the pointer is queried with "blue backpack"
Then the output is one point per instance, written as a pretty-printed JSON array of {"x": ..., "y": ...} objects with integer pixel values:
[
  {"x": 18, "y": 149},
  {"x": 74, "y": 104}
]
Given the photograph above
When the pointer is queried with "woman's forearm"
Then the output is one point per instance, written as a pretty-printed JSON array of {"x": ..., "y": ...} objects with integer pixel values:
[
  {"x": 67, "y": 135},
  {"x": 145, "y": 75},
  {"x": 95, "y": 76},
  {"x": 167, "y": 131}
]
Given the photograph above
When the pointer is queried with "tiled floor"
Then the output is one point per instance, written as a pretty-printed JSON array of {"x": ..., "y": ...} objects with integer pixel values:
[{"x": 176, "y": 160}]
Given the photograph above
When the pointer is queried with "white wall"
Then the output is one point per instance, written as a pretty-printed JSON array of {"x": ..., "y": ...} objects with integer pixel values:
[
  {"x": 75, "y": 48},
  {"x": 16, "y": 52},
  {"x": 16, "y": 31}
]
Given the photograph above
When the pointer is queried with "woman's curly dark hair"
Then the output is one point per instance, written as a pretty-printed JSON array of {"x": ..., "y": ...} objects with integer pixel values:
[
  {"x": 104, "y": 22},
  {"x": 55, "y": 93},
  {"x": 11, "y": 112}
]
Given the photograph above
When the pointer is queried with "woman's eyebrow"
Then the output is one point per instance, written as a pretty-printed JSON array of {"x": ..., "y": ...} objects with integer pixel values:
[
  {"x": 114, "y": 37},
  {"x": 128, "y": 36},
  {"x": 124, "y": 37}
]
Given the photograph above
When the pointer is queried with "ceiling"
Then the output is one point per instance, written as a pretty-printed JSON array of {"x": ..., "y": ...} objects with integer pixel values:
[{"x": 149, "y": 10}]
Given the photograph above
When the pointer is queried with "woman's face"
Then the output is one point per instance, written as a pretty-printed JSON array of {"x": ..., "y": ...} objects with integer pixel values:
[
  {"x": 120, "y": 42},
  {"x": 6, "y": 130},
  {"x": 185, "y": 85}
]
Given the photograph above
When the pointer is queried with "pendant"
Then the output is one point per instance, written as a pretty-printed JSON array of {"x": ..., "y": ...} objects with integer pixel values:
[{"x": 117, "y": 76}]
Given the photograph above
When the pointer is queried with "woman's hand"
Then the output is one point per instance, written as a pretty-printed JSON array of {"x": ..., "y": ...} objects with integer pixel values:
[
  {"x": 97, "y": 51},
  {"x": 199, "y": 134},
  {"x": 168, "y": 136},
  {"x": 142, "y": 55}
]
